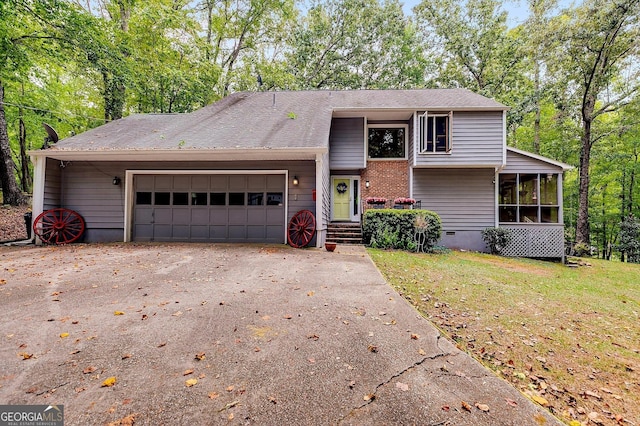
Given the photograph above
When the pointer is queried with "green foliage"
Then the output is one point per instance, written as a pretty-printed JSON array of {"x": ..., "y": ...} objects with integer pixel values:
[
  {"x": 497, "y": 238},
  {"x": 582, "y": 249},
  {"x": 630, "y": 239},
  {"x": 397, "y": 229}
]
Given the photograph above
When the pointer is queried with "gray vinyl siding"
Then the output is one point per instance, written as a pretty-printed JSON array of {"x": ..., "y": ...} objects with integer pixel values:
[
  {"x": 346, "y": 143},
  {"x": 52, "y": 185},
  {"x": 518, "y": 163},
  {"x": 463, "y": 198},
  {"x": 477, "y": 140},
  {"x": 87, "y": 188}
]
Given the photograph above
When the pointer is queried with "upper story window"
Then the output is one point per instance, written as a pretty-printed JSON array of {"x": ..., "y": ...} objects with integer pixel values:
[
  {"x": 435, "y": 132},
  {"x": 528, "y": 198},
  {"x": 387, "y": 141}
]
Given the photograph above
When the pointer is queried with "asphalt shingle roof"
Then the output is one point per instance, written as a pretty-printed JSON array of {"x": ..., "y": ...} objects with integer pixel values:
[{"x": 262, "y": 120}]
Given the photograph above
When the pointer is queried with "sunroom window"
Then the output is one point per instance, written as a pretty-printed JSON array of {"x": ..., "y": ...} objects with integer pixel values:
[
  {"x": 435, "y": 132},
  {"x": 387, "y": 141},
  {"x": 528, "y": 198}
]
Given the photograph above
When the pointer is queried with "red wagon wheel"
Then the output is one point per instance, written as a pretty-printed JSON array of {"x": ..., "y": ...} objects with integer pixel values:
[
  {"x": 58, "y": 226},
  {"x": 302, "y": 226}
]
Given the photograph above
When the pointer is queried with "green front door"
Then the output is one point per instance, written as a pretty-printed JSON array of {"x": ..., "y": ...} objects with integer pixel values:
[{"x": 341, "y": 199}]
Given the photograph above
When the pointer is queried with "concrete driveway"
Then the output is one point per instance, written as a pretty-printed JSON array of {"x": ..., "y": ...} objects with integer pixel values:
[{"x": 272, "y": 336}]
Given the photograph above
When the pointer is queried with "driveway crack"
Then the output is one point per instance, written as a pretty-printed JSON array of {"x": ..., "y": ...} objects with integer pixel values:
[{"x": 372, "y": 395}]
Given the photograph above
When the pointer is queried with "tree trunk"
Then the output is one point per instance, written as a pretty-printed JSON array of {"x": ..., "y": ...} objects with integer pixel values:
[
  {"x": 11, "y": 193},
  {"x": 582, "y": 225},
  {"x": 536, "y": 123},
  {"x": 25, "y": 173}
]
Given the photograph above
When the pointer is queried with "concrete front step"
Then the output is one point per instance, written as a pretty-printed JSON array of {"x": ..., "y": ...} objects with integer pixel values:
[{"x": 345, "y": 233}]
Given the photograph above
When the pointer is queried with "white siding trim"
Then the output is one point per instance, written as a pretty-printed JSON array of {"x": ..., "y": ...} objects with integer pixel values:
[
  {"x": 320, "y": 225},
  {"x": 504, "y": 138},
  {"x": 37, "y": 201},
  {"x": 128, "y": 197}
]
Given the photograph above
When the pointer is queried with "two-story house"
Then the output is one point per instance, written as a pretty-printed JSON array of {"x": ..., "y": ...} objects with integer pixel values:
[{"x": 239, "y": 169}]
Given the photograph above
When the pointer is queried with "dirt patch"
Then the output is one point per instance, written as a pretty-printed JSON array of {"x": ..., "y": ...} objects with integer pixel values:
[{"x": 12, "y": 226}]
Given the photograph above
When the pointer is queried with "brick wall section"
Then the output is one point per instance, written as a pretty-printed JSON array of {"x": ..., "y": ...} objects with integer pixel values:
[{"x": 388, "y": 179}]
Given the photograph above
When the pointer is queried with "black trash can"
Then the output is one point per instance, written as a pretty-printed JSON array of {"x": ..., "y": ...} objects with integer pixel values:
[{"x": 28, "y": 217}]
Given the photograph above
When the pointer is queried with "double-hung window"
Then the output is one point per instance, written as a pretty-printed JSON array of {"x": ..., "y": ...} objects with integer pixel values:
[{"x": 435, "y": 132}]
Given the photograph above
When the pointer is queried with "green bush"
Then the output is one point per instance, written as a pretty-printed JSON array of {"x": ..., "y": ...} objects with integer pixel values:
[
  {"x": 497, "y": 238},
  {"x": 582, "y": 250},
  {"x": 413, "y": 230}
]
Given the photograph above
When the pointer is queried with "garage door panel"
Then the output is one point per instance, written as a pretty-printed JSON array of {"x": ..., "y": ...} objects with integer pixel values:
[
  {"x": 180, "y": 232},
  {"x": 237, "y": 216},
  {"x": 256, "y": 216},
  {"x": 219, "y": 182},
  {"x": 181, "y": 216},
  {"x": 200, "y": 216},
  {"x": 237, "y": 232},
  {"x": 164, "y": 182},
  {"x": 200, "y": 232},
  {"x": 256, "y": 182},
  {"x": 200, "y": 183},
  {"x": 219, "y": 216},
  {"x": 162, "y": 232},
  {"x": 218, "y": 233},
  {"x": 275, "y": 183},
  {"x": 216, "y": 207},
  {"x": 274, "y": 216},
  {"x": 181, "y": 183}
]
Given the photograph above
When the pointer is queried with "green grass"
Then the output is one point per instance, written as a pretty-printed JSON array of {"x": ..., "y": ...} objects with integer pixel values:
[{"x": 555, "y": 332}]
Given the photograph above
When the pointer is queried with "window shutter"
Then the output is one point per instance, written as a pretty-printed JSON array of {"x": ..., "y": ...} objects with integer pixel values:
[{"x": 422, "y": 119}]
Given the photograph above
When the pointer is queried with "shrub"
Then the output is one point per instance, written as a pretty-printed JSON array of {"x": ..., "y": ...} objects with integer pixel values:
[
  {"x": 397, "y": 229},
  {"x": 582, "y": 250},
  {"x": 630, "y": 239},
  {"x": 497, "y": 238}
]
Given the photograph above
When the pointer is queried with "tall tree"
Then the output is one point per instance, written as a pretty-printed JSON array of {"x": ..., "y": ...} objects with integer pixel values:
[
  {"x": 353, "y": 44},
  {"x": 597, "y": 54}
]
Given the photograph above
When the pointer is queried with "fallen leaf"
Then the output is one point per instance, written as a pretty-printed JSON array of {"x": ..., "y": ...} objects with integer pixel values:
[
  {"x": 402, "y": 386},
  {"x": 202, "y": 376},
  {"x": 231, "y": 416},
  {"x": 25, "y": 355},
  {"x": 77, "y": 351},
  {"x": 126, "y": 356},
  {"x": 272, "y": 399},
  {"x": 593, "y": 394},
  {"x": 415, "y": 336},
  {"x": 63, "y": 335},
  {"x": 421, "y": 352},
  {"x": 3, "y": 282},
  {"x": 162, "y": 344},
  {"x": 187, "y": 372},
  {"x": 352, "y": 384},
  {"x": 482, "y": 407},
  {"x": 595, "y": 418},
  {"x": 445, "y": 408},
  {"x": 540, "y": 400},
  {"x": 311, "y": 293},
  {"x": 287, "y": 317},
  {"x": 118, "y": 313},
  {"x": 511, "y": 402},
  {"x": 369, "y": 397},
  {"x": 230, "y": 388},
  {"x": 465, "y": 406},
  {"x": 372, "y": 348},
  {"x": 313, "y": 336},
  {"x": 200, "y": 356},
  {"x": 191, "y": 382},
  {"x": 213, "y": 395},
  {"x": 229, "y": 405},
  {"x": 89, "y": 370},
  {"x": 177, "y": 314},
  {"x": 109, "y": 382},
  {"x": 125, "y": 421}
]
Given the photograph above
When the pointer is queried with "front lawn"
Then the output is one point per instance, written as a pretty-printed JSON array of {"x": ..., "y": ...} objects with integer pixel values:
[{"x": 569, "y": 338}]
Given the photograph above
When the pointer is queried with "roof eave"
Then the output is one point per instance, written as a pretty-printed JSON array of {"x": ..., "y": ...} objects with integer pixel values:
[
  {"x": 185, "y": 154},
  {"x": 564, "y": 166}
]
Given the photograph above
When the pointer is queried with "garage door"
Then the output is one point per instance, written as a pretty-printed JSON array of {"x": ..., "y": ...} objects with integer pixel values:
[{"x": 216, "y": 208}]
